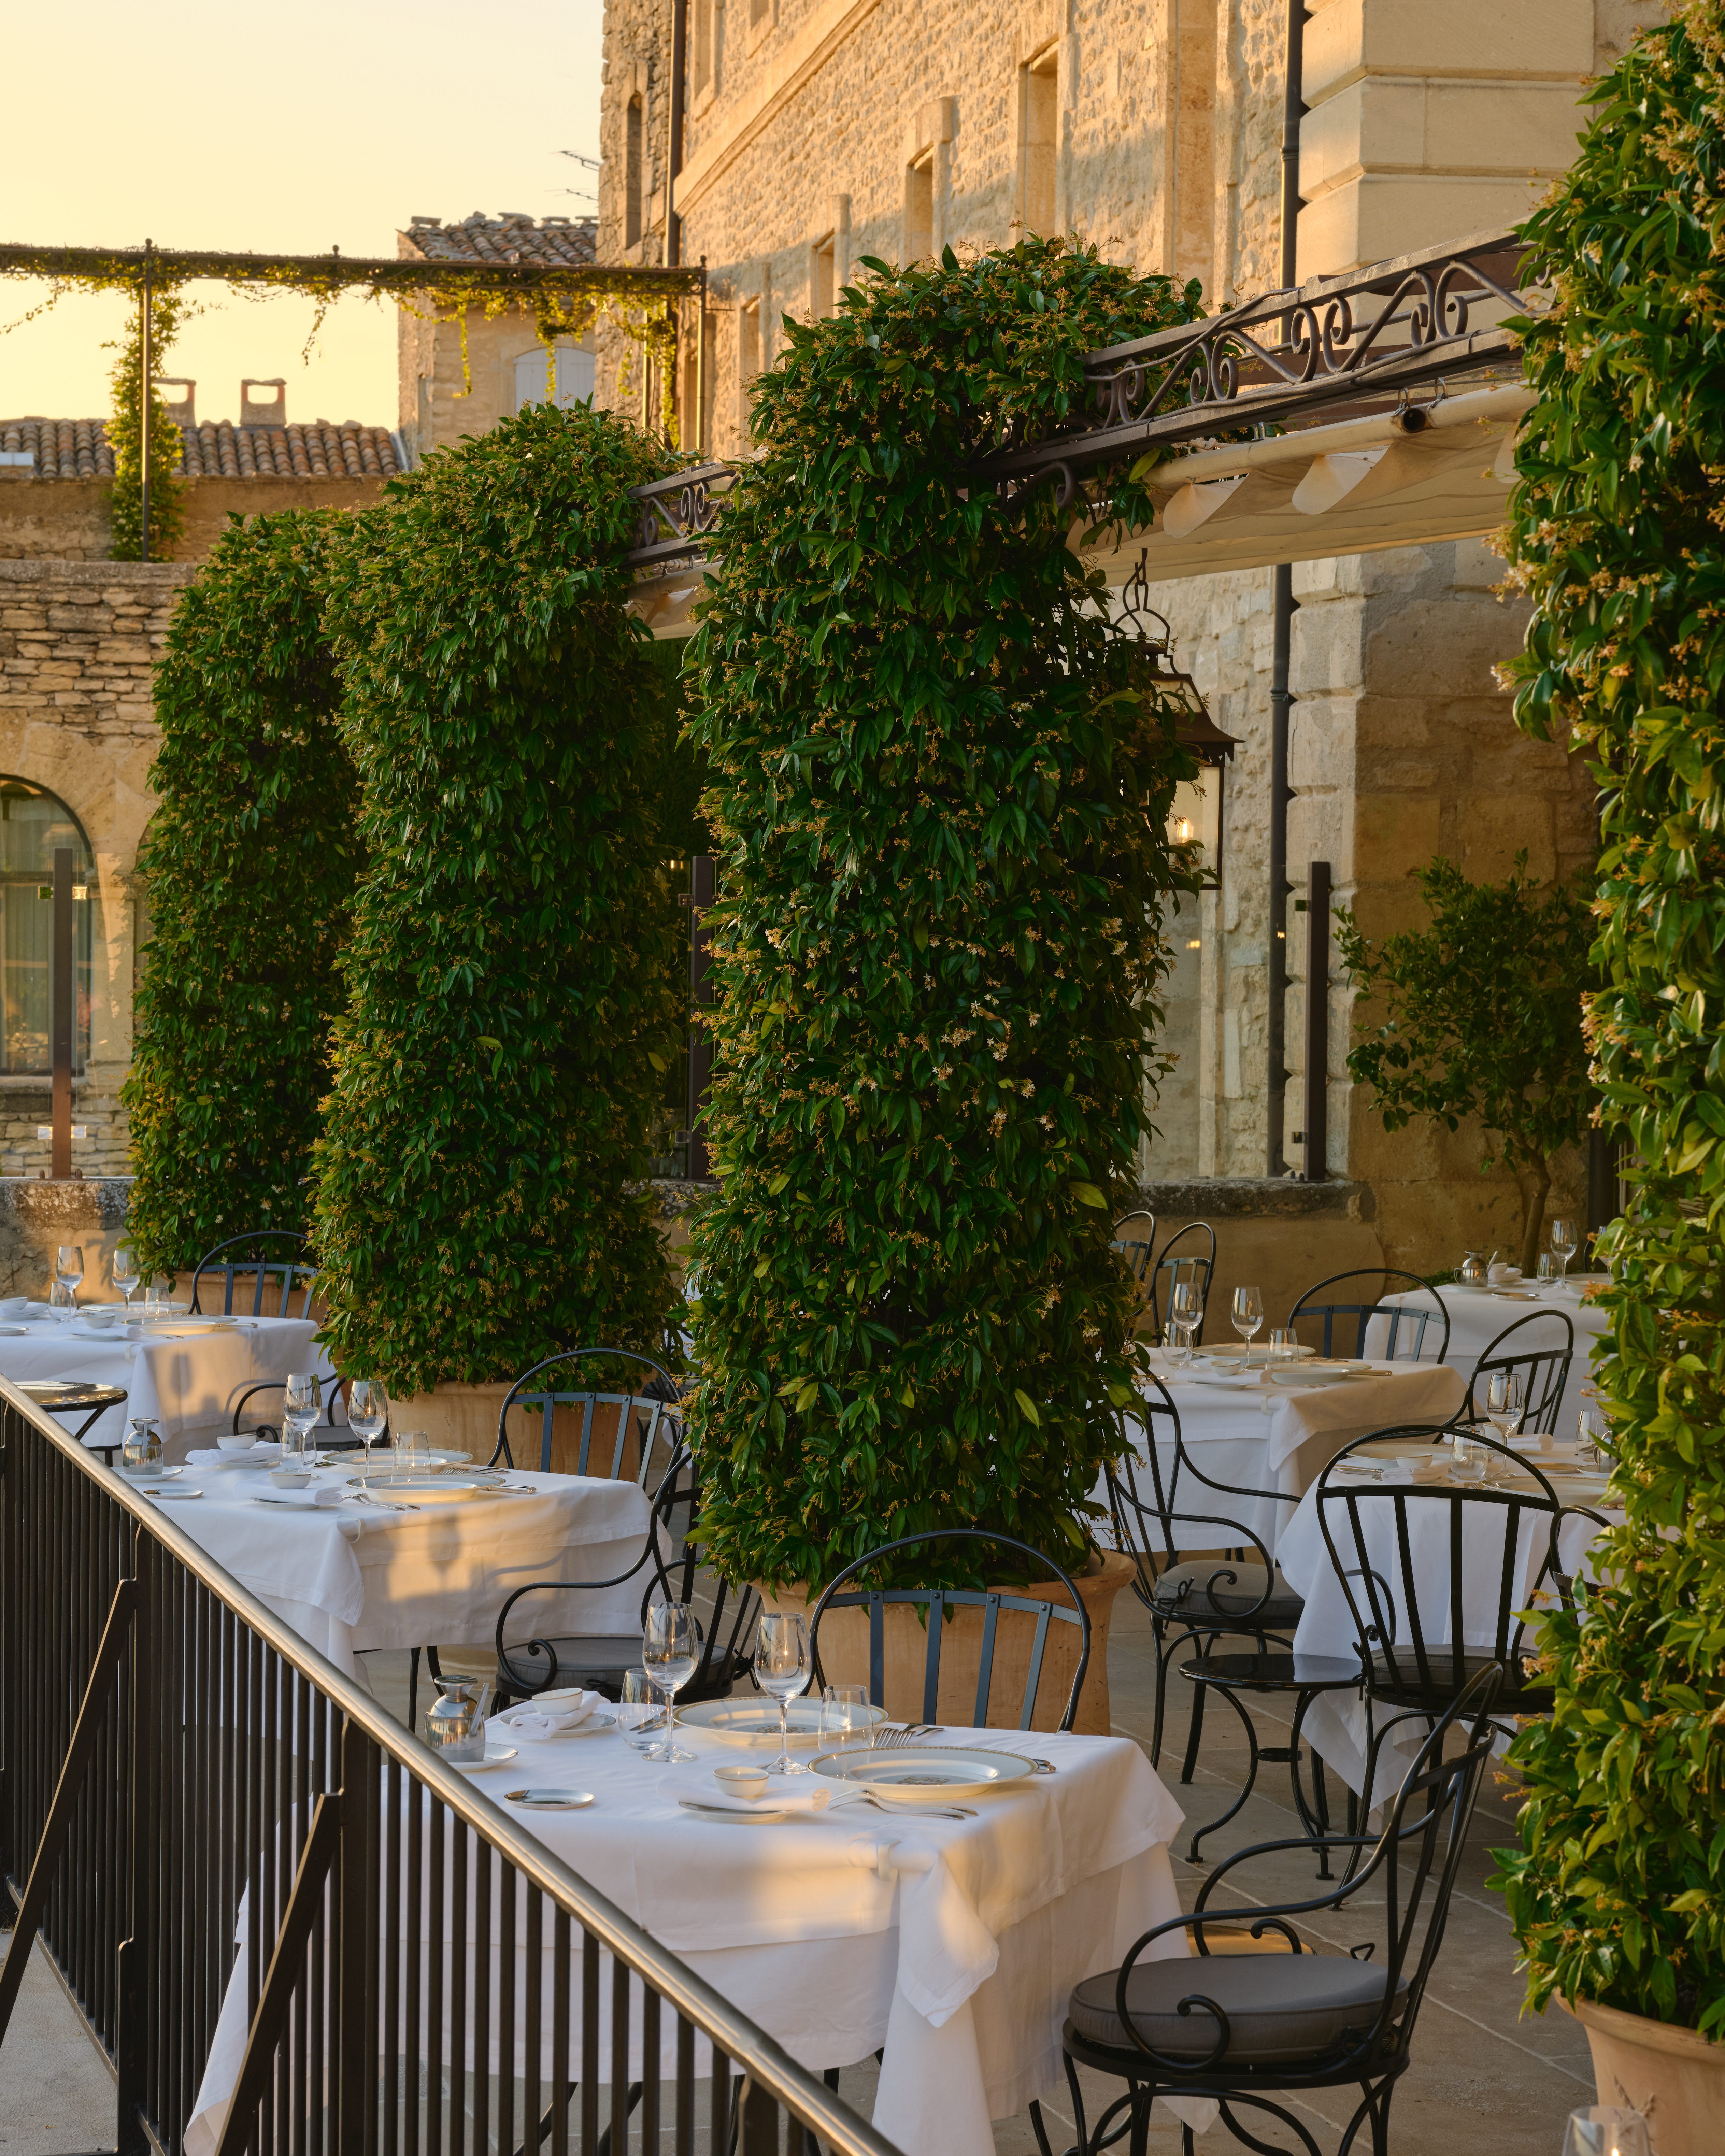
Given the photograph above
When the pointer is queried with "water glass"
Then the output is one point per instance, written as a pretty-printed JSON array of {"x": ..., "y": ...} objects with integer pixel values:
[
  {"x": 1563, "y": 1243},
  {"x": 1248, "y": 1313},
  {"x": 640, "y": 1713},
  {"x": 298, "y": 1417},
  {"x": 1547, "y": 1269},
  {"x": 61, "y": 1299},
  {"x": 1469, "y": 1465},
  {"x": 411, "y": 1455},
  {"x": 127, "y": 1274},
  {"x": 845, "y": 1716},
  {"x": 1283, "y": 1342},
  {"x": 783, "y": 1666},
  {"x": 1602, "y": 2130},
  {"x": 69, "y": 1270},
  {"x": 1185, "y": 1316},
  {"x": 670, "y": 1648},
  {"x": 367, "y": 1414}
]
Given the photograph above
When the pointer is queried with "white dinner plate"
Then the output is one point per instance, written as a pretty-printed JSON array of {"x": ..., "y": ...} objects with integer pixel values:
[
  {"x": 16, "y": 1331},
  {"x": 549, "y": 1800},
  {"x": 756, "y": 1721},
  {"x": 149, "y": 1482},
  {"x": 1415, "y": 1453},
  {"x": 1321, "y": 1373},
  {"x": 907, "y": 1770},
  {"x": 594, "y": 1725},
  {"x": 496, "y": 1755},
  {"x": 1257, "y": 1356},
  {"x": 293, "y": 1501},
  {"x": 722, "y": 1815},
  {"x": 1461, "y": 1287},
  {"x": 1223, "y": 1381}
]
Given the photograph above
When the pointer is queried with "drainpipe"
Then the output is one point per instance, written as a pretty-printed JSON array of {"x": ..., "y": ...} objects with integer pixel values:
[
  {"x": 674, "y": 148},
  {"x": 1281, "y": 636}
]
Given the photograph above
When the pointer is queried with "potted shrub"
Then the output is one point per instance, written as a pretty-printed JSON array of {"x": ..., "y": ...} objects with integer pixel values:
[
  {"x": 1618, "y": 1889},
  {"x": 939, "y": 798},
  {"x": 511, "y": 1002},
  {"x": 249, "y": 864}
]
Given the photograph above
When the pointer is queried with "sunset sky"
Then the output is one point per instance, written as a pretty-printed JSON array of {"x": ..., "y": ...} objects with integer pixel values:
[{"x": 288, "y": 128}]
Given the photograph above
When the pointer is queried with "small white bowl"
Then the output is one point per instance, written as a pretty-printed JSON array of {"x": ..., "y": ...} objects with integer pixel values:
[
  {"x": 741, "y": 1781},
  {"x": 289, "y": 1478},
  {"x": 244, "y": 1441}
]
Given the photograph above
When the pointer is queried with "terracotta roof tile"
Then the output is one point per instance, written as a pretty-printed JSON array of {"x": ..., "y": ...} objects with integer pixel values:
[
  {"x": 79, "y": 448},
  {"x": 557, "y": 243}
]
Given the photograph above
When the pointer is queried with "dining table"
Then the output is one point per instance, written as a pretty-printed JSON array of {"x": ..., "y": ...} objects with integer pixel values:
[
  {"x": 354, "y": 1563},
  {"x": 949, "y": 1946},
  {"x": 187, "y": 1373},
  {"x": 1419, "y": 1573},
  {"x": 1263, "y": 1426},
  {"x": 1478, "y": 1315}
]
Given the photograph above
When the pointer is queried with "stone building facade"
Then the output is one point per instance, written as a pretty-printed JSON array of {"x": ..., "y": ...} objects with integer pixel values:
[{"x": 821, "y": 131}]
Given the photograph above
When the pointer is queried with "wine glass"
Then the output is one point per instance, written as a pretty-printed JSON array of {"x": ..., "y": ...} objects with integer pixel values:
[
  {"x": 126, "y": 1272},
  {"x": 1601, "y": 2130},
  {"x": 844, "y": 1714},
  {"x": 1185, "y": 1314},
  {"x": 1248, "y": 1315},
  {"x": 1505, "y": 1401},
  {"x": 783, "y": 1666},
  {"x": 669, "y": 1649},
  {"x": 1562, "y": 1244},
  {"x": 368, "y": 1413},
  {"x": 69, "y": 1271},
  {"x": 299, "y": 1417}
]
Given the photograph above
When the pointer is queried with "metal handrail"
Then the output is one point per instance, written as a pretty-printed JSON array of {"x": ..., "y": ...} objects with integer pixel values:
[{"x": 767, "y": 2066}]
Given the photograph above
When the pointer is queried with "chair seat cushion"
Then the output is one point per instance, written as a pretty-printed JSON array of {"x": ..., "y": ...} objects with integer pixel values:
[
  {"x": 1215, "y": 1590},
  {"x": 1280, "y": 2008}
]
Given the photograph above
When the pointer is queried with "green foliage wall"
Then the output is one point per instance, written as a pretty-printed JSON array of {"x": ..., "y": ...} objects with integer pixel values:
[
  {"x": 168, "y": 508},
  {"x": 511, "y": 1005},
  {"x": 1480, "y": 1016},
  {"x": 940, "y": 807},
  {"x": 1617, "y": 1891},
  {"x": 249, "y": 864}
]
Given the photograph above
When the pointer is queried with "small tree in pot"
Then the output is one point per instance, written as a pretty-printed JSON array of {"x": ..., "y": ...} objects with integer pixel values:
[
  {"x": 940, "y": 796},
  {"x": 511, "y": 1004},
  {"x": 1618, "y": 1889},
  {"x": 1482, "y": 1018}
]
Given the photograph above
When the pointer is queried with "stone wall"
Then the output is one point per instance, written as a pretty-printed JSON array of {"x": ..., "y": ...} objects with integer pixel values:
[
  {"x": 68, "y": 520},
  {"x": 446, "y": 393},
  {"x": 36, "y": 1218}
]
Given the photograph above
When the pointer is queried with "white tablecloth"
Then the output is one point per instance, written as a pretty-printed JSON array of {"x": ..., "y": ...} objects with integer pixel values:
[
  {"x": 961, "y": 1972},
  {"x": 1335, "y": 1722},
  {"x": 355, "y": 1577},
  {"x": 190, "y": 1382},
  {"x": 1477, "y": 1316},
  {"x": 1276, "y": 1438}
]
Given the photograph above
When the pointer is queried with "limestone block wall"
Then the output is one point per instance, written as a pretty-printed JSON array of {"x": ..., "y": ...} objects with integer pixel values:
[
  {"x": 69, "y": 519},
  {"x": 441, "y": 400}
]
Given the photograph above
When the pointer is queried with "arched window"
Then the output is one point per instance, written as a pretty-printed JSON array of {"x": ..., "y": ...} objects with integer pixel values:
[{"x": 34, "y": 823}]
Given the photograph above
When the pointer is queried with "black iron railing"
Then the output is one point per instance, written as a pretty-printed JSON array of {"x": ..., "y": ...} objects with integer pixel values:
[{"x": 419, "y": 1974}]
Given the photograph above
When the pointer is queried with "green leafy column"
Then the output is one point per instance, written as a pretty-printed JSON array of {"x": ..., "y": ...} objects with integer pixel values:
[
  {"x": 1617, "y": 1891},
  {"x": 126, "y": 430},
  {"x": 510, "y": 999},
  {"x": 248, "y": 864},
  {"x": 939, "y": 797}
]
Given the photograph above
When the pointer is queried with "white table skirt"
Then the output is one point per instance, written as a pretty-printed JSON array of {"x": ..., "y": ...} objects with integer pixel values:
[
  {"x": 354, "y": 1578},
  {"x": 1336, "y": 1722},
  {"x": 962, "y": 1974},
  {"x": 190, "y": 1382},
  {"x": 1477, "y": 1317},
  {"x": 1278, "y": 1438}
]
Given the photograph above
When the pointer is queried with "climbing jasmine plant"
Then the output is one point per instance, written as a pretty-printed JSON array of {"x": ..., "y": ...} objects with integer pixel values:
[
  {"x": 1617, "y": 1892},
  {"x": 939, "y": 796}
]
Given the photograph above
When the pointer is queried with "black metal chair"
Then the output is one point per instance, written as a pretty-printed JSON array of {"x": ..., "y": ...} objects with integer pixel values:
[
  {"x": 648, "y": 1417},
  {"x": 292, "y": 1265},
  {"x": 1545, "y": 1371},
  {"x": 936, "y": 1601},
  {"x": 1245, "y": 2029},
  {"x": 1406, "y": 1325},
  {"x": 1136, "y": 1248},
  {"x": 725, "y": 1618},
  {"x": 1415, "y": 1656},
  {"x": 1195, "y": 1268}
]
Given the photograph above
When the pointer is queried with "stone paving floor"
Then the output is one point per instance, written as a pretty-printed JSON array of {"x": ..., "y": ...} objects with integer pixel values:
[{"x": 1486, "y": 2081}]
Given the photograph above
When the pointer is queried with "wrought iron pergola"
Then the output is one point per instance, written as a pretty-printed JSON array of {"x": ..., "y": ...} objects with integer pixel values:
[{"x": 1305, "y": 389}]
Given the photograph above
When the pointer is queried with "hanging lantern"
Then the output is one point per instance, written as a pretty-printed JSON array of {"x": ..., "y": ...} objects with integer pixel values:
[{"x": 1196, "y": 819}]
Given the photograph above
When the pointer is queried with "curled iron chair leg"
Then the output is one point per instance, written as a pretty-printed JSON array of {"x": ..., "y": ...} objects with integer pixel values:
[{"x": 1199, "y": 1833}]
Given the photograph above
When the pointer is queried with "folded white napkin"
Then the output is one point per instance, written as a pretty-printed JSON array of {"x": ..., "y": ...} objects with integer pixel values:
[
  {"x": 529, "y": 1721},
  {"x": 781, "y": 1796},
  {"x": 213, "y": 1453},
  {"x": 321, "y": 1495}
]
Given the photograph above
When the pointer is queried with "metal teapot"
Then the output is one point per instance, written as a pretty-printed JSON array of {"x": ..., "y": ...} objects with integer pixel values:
[
  {"x": 456, "y": 1727},
  {"x": 1471, "y": 1270}
]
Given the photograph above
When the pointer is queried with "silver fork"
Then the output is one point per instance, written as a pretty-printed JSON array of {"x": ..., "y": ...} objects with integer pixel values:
[{"x": 915, "y": 1811}]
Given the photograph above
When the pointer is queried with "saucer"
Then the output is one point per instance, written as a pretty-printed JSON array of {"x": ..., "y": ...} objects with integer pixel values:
[{"x": 496, "y": 1756}]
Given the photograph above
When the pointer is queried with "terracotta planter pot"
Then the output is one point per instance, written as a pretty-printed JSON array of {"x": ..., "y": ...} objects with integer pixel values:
[
  {"x": 844, "y": 1653},
  {"x": 463, "y": 1418},
  {"x": 1675, "y": 2078}
]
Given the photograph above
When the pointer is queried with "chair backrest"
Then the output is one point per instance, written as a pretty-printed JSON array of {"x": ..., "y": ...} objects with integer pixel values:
[
  {"x": 268, "y": 1255},
  {"x": 1360, "y": 1297},
  {"x": 936, "y": 1601},
  {"x": 1543, "y": 1371},
  {"x": 636, "y": 1422},
  {"x": 1179, "y": 1267},
  {"x": 1419, "y": 1648},
  {"x": 1159, "y": 1502},
  {"x": 726, "y": 1614},
  {"x": 1413, "y": 1866}
]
